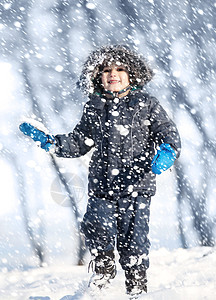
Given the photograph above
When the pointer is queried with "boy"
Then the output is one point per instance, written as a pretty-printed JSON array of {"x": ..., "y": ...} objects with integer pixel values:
[{"x": 125, "y": 126}]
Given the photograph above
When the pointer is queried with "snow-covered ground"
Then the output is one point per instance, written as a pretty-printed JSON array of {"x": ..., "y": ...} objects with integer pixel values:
[{"x": 173, "y": 275}]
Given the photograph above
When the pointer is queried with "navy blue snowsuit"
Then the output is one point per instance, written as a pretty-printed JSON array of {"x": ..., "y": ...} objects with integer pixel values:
[{"x": 124, "y": 133}]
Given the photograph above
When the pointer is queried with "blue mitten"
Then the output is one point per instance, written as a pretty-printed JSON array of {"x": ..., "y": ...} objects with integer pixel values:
[
  {"x": 164, "y": 159},
  {"x": 46, "y": 140}
]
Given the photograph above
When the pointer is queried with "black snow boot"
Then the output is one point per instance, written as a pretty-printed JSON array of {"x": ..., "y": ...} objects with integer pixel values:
[
  {"x": 136, "y": 282},
  {"x": 104, "y": 269}
]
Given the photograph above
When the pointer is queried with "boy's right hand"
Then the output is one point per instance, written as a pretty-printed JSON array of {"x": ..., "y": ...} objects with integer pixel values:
[{"x": 46, "y": 140}]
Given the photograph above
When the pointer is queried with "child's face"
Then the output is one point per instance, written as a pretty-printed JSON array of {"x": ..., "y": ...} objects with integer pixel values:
[{"x": 115, "y": 78}]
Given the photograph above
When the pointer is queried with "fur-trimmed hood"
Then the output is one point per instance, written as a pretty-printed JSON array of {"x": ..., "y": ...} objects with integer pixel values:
[{"x": 139, "y": 71}]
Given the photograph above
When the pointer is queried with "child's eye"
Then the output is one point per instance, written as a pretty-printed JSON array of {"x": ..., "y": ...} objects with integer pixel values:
[
  {"x": 121, "y": 69},
  {"x": 106, "y": 70}
]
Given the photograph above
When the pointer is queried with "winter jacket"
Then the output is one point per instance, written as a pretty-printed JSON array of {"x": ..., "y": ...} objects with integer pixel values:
[{"x": 124, "y": 133}]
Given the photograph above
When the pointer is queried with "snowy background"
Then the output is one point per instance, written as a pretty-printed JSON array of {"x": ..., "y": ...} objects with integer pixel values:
[{"x": 43, "y": 46}]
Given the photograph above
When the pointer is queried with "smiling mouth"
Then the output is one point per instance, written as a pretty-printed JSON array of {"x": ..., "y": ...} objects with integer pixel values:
[{"x": 113, "y": 81}]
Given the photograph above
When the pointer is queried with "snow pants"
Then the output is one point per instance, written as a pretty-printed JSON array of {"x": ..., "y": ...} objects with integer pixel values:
[{"x": 123, "y": 221}]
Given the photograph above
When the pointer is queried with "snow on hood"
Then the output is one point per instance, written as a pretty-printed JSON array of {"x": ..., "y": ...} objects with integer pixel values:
[{"x": 139, "y": 71}]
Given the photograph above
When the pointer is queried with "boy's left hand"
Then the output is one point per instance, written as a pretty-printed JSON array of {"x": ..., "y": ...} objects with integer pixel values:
[{"x": 164, "y": 159}]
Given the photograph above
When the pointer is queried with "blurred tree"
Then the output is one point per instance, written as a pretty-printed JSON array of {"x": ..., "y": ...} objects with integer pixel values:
[
  {"x": 35, "y": 235},
  {"x": 62, "y": 50},
  {"x": 23, "y": 48}
]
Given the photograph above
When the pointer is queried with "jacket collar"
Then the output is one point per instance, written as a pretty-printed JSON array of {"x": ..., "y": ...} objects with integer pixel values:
[
  {"x": 120, "y": 94},
  {"x": 97, "y": 101}
]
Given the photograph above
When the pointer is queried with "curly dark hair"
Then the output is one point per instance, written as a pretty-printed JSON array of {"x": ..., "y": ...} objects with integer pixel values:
[{"x": 139, "y": 71}]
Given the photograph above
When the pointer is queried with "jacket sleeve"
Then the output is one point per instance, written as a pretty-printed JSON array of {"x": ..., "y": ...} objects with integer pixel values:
[
  {"x": 79, "y": 141},
  {"x": 163, "y": 128}
]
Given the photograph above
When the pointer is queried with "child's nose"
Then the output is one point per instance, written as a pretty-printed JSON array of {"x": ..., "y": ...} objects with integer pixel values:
[{"x": 113, "y": 72}]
